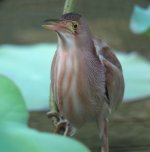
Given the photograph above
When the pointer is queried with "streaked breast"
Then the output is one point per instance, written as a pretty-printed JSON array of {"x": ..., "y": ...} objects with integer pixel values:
[{"x": 70, "y": 88}]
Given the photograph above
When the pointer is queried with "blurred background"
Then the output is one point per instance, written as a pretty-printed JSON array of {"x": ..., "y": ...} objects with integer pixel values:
[
  {"x": 21, "y": 21},
  {"x": 26, "y": 52}
]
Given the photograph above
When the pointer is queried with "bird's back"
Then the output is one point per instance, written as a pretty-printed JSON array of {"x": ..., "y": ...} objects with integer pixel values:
[{"x": 114, "y": 82}]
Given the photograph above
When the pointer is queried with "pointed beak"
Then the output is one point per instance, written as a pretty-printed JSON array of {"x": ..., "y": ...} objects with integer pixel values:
[{"x": 54, "y": 24}]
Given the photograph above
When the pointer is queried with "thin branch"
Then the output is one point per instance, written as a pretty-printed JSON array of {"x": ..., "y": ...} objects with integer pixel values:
[{"x": 69, "y": 6}]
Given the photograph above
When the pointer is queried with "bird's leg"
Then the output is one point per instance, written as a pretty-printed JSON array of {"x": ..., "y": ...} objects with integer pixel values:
[
  {"x": 54, "y": 113},
  {"x": 105, "y": 143}
]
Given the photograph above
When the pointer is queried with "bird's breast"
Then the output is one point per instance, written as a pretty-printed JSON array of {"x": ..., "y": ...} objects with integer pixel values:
[{"x": 70, "y": 87}]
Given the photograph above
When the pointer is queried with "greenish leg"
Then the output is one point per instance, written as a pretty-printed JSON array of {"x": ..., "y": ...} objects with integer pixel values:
[{"x": 60, "y": 123}]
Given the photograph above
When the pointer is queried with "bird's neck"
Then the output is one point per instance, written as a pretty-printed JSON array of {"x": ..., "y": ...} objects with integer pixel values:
[
  {"x": 68, "y": 42},
  {"x": 65, "y": 41}
]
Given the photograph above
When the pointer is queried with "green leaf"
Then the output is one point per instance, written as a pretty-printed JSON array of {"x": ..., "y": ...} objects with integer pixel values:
[
  {"x": 15, "y": 136},
  {"x": 136, "y": 74},
  {"x": 140, "y": 20},
  {"x": 29, "y": 68},
  {"x": 12, "y": 107}
]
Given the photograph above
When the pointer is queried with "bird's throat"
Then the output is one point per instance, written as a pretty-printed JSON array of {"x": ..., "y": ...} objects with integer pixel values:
[{"x": 66, "y": 42}]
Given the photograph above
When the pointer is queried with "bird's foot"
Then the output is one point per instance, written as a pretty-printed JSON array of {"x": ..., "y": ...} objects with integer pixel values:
[
  {"x": 52, "y": 114},
  {"x": 63, "y": 127},
  {"x": 61, "y": 124}
]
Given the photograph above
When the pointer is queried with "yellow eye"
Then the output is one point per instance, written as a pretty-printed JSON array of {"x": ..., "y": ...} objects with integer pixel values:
[{"x": 75, "y": 25}]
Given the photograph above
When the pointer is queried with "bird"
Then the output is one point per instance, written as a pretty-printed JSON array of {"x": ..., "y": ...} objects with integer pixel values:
[{"x": 87, "y": 82}]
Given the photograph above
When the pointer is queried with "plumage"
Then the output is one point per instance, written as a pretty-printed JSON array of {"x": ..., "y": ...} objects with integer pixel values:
[{"x": 86, "y": 77}]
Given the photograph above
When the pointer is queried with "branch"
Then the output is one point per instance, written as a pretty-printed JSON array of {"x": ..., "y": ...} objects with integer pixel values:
[{"x": 69, "y": 6}]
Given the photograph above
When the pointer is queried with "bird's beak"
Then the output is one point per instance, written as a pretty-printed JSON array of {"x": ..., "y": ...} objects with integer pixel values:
[{"x": 55, "y": 24}]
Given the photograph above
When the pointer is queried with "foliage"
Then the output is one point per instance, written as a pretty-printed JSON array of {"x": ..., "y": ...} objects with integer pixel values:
[
  {"x": 69, "y": 6},
  {"x": 136, "y": 74},
  {"x": 15, "y": 136},
  {"x": 29, "y": 68},
  {"x": 140, "y": 20}
]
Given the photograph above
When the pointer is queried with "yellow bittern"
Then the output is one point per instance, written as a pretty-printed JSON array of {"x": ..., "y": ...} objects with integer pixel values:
[{"x": 86, "y": 78}]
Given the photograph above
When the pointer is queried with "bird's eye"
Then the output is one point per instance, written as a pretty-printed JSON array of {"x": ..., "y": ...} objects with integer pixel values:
[{"x": 75, "y": 25}]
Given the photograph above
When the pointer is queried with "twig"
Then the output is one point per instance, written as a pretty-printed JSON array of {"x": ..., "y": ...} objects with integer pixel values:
[{"x": 69, "y": 6}]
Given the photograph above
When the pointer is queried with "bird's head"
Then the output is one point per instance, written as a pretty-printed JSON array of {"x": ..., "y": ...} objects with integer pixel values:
[
  {"x": 72, "y": 31},
  {"x": 71, "y": 23}
]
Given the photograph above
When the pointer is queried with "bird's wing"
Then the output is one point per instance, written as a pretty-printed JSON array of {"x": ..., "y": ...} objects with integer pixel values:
[
  {"x": 114, "y": 82},
  {"x": 104, "y": 51}
]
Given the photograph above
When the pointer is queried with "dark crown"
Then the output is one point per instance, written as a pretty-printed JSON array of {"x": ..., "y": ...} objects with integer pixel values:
[{"x": 71, "y": 16}]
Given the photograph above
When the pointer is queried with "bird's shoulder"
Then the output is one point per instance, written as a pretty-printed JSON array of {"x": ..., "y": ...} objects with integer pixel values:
[{"x": 104, "y": 51}]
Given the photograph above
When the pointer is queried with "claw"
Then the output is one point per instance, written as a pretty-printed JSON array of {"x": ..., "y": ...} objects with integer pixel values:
[
  {"x": 62, "y": 127},
  {"x": 53, "y": 114}
]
